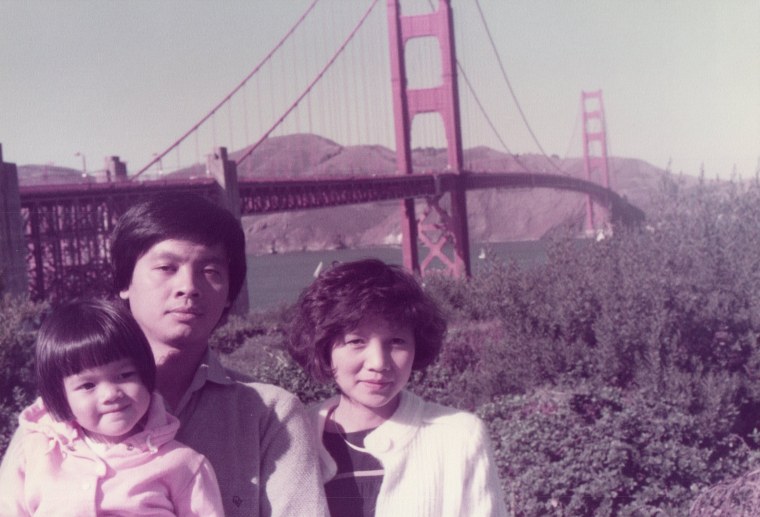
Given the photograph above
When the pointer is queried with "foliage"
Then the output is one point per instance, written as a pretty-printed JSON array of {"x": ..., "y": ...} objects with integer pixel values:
[
  {"x": 606, "y": 452},
  {"x": 739, "y": 497},
  {"x": 618, "y": 377},
  {"x": 258, "y": 354},
  {"x": 19, "y": 321}
]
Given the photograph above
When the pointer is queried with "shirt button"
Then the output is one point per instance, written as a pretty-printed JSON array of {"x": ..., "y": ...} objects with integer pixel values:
[{"x": 384, "y": 444}]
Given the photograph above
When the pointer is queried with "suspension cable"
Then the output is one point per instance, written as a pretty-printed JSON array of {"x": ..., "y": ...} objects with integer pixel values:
[
  {"x": 511, "y": 91},
  {"x": 488, "y": 119},
  {"x": 234, "y": 90},
  {"x": 311, "y": 85}
]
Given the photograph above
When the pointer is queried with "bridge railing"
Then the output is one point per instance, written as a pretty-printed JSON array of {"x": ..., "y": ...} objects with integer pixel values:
[{"x": 66, "y": 231}]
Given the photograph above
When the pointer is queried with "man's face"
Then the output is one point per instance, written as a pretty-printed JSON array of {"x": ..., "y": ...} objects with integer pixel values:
[{"x": 178, "y": 293}]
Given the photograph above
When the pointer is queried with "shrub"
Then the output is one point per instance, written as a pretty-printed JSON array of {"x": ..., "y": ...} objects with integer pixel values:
[
  {"x": 604, "y": 452},
  {"x": 254, "y": 347},
  {"x": 619, "y": 377},
  {"x": 19, "y": 321}
]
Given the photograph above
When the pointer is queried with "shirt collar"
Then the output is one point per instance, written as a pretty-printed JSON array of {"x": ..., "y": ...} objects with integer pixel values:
[{"x": 210, "y": 370}]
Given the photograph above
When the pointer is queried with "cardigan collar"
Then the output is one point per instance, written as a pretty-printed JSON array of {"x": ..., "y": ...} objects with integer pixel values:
[{"x": 393, "y": 434}]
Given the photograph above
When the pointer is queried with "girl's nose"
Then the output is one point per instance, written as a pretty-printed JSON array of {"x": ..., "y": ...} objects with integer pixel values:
[{"x": 111, "y": 392}]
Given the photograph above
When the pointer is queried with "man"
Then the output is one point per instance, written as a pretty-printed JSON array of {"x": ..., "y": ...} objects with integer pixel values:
[{"x": 179, "y": 262}]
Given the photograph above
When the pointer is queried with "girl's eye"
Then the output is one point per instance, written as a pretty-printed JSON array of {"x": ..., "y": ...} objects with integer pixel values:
[{"x": 128, "y": 374}]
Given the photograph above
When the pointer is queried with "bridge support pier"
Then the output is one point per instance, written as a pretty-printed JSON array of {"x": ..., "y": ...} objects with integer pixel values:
[
  {"x": 594, "y": 152},
  {"x": 13, "y": 275},
  {"x": 116, "y": 170},
  {"x": 224, "y": 171},
  {"x": 442, "y": 232}
]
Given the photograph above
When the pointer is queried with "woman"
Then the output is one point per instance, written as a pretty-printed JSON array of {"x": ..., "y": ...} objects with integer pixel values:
[{"x": 366, "y": 326}]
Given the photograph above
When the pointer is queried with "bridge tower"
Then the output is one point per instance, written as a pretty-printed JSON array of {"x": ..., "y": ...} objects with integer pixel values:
[
  {"x": 442, "y": 228},
  {"x": 594, "y": 147}
]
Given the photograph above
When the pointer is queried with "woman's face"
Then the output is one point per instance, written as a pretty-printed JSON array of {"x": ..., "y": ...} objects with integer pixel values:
[{"x": 372, "y": 364}]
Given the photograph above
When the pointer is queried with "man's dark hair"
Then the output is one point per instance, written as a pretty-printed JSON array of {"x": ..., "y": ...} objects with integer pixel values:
[
  {"x": 340, "y": 297},
  {"x": 85, "y": 334},
  {"x": 181, "y": 216}
]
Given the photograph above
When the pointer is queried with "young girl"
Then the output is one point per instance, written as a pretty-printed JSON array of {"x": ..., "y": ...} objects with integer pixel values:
[
  {"x": 385, "y": 452},
  {"x": 98, "y": 441}
]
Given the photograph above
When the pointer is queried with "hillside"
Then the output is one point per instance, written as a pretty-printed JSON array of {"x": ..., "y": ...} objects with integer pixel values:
[{"x": 494, "y": 216}]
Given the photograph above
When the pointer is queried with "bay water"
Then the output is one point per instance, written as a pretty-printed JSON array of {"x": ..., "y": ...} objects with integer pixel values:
[{"x": 278, "y": 279}]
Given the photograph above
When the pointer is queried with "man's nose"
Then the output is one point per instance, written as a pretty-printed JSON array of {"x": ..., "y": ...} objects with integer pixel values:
[{"x": 186, "y": 282}]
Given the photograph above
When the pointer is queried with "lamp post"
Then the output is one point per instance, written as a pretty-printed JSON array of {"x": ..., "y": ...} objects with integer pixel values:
[{"x": 84, "y": 163}]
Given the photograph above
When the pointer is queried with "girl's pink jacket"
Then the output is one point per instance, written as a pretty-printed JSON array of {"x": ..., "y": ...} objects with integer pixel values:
[{"x": 49, "y": 470}]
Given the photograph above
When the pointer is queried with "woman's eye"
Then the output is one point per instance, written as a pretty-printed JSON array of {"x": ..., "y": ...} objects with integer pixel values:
[
  {"x": 354, "y": 341},
  {"x": 86, "y": 386},
  {"x": 164, "y": 268}
]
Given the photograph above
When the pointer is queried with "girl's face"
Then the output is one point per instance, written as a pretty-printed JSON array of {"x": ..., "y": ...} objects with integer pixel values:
[
  {"x": 372, "y": 364},
  {"x": 108, "y": 401}
]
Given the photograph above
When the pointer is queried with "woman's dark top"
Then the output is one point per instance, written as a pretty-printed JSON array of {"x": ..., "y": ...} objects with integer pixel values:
[{"x": 353, "y": 491}]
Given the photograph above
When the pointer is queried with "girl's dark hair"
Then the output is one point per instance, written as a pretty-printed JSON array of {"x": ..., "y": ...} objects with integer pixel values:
[
  {"x": 85, "y": 334},
  {"x": 177, "y": 216},
  {"x": 340, "y": 297}
]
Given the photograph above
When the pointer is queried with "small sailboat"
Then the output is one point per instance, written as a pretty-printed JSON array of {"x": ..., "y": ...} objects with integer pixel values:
[
  {"x": 482, "y": 254},
  {"x": 318, "y": 270}
]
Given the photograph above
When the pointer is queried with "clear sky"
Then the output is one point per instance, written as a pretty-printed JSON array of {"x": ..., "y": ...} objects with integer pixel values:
[{"x": 681, "y": 78}]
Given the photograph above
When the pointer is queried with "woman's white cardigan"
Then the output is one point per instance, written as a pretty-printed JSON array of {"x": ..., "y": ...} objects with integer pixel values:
[{"x": 438, "y": 461}]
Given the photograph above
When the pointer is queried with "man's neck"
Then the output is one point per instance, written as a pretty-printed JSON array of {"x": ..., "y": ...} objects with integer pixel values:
[{"x": 175, "y": 370}]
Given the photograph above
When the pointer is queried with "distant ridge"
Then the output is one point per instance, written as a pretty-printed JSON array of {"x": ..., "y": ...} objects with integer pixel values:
[{"x": 494, "y": 216}]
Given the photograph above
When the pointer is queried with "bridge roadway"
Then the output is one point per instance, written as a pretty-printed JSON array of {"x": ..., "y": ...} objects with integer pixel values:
[
  {"x": 278, "y": 195},
  {"x": 266, "y": 195}
]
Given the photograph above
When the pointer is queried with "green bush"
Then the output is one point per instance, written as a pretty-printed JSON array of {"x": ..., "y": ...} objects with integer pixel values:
[
  {"x": 258, "y": 354},
  {"x": 669, "y": 309},
  {"x": 19, "y": 321},
  {"x": 606, "y": 452},
  {"x": 618, "y": 377}
]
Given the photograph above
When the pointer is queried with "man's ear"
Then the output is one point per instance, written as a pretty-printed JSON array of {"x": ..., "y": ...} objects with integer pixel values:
[{"x": 124, "y": 295}]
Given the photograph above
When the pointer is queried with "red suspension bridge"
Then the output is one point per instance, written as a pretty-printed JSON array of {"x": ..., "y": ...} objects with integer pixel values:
[{"x": 64, "y": 231}]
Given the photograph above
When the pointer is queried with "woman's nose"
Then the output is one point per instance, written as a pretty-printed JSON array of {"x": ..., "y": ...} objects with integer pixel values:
[{"x": 377, "y": 356}]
